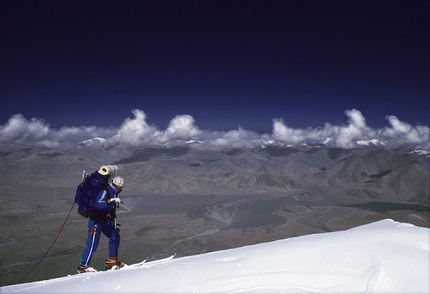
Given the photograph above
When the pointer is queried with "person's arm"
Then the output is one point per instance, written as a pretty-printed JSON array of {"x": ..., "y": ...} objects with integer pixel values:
[{"x": 102, "y": 201}]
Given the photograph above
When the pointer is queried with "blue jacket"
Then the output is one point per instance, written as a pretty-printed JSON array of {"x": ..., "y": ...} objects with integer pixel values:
[{"x": 103, "y": 209}]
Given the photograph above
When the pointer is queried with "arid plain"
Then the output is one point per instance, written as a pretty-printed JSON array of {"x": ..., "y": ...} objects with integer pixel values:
[{"x": 187, "y": 201}]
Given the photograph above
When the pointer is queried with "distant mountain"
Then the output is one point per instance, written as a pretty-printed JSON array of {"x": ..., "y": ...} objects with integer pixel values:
[
  {"x": 374, "y": 142},
  {"x": 422, "y": 152},
  {"x": 305, "y": 172},
  {"x": 93, "y": 142}
]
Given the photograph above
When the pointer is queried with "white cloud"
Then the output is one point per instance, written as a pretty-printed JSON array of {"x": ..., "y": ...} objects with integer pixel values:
[
  {"x": 355, "y": 130},
  {"x": 342, "y": 136},
  {"x": 182, "y": 126},
  {"x": 77, "y": 134},
  {"x": 288, "y": 135},
  {"x": 19, "y": 129},
  {"x": 36, "y": 131},
  {"x": 182, "y": 129},
  {"x": 135, "y": 131},
  {"x": 234, "y": 139},
  {"x": 403, "y": 133}
]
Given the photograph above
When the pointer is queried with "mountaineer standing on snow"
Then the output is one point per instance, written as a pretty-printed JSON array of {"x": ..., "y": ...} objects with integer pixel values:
[{"x": 103, "y": 220}]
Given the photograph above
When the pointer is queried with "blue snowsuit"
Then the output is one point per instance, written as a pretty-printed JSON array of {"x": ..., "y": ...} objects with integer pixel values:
[{"x": 102, "y": 220}]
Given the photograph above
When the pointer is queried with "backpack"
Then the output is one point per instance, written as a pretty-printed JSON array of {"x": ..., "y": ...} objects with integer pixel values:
[{"x": 87, "y": 191}]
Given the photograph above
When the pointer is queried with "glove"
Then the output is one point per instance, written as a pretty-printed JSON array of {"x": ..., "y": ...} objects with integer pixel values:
[{"x": 115, "y": 200}]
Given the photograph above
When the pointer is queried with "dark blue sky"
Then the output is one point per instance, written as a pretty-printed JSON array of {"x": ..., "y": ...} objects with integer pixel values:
[{"x": 226, "y": 63}]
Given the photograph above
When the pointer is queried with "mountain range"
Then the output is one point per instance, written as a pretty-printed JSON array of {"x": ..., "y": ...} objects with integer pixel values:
[
  {"x": 304, "y": 172},
  {"x": 188, "y": 200}
]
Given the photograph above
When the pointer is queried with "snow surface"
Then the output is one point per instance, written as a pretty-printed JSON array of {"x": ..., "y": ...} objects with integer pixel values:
[{"x": 382, "y": 257}]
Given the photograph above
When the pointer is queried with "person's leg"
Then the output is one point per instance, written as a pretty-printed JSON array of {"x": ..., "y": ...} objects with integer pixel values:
[
  {"x": 92, "y": 243},
  {"x": 112, "y": 233},
  {"x": 114, "y": 241}
]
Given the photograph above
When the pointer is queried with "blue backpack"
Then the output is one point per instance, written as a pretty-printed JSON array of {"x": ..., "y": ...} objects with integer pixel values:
[{"x": 87, "y": 192}]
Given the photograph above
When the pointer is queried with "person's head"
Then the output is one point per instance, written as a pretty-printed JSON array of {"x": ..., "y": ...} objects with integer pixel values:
[{"x": 118, "y": 182}]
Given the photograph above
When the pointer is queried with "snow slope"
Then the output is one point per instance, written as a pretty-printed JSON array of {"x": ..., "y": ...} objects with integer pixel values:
[{"x": 382, "y": 257}]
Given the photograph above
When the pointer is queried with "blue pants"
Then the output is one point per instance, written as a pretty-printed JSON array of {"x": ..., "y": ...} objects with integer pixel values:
[{"x": 95, "y": 228}]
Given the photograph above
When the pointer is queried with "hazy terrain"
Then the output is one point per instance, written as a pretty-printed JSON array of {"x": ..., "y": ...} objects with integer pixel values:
[{"x": 188, "y": 200}]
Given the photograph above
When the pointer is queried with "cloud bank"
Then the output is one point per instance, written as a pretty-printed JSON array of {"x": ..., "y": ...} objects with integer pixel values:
[{"x": 182, "y": 130}]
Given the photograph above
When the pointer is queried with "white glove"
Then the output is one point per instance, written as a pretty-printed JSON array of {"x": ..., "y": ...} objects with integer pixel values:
[{"x": 116, "y": 200}]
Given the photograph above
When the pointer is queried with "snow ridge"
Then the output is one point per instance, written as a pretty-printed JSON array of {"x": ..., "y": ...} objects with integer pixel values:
[{"x": 382, "y": 257}]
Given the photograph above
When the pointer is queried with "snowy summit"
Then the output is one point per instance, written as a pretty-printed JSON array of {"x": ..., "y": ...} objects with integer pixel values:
[{"x": 382, "y": 257}]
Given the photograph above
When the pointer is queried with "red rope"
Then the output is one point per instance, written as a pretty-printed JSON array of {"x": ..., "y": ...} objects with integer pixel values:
[{"x": 62, "y": 227}]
